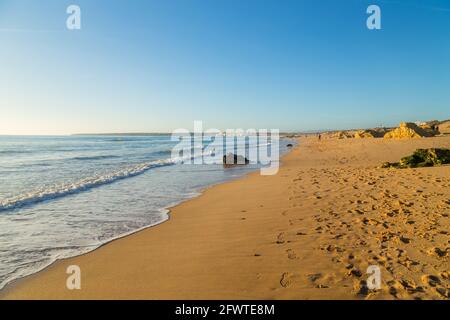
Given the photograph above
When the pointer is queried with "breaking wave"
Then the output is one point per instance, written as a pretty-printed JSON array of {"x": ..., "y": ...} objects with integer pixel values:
[{"x": 57, "y": 191}]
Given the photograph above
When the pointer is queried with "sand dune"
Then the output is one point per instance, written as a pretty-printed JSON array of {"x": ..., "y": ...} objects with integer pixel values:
[{"x": 309, "y": 232}]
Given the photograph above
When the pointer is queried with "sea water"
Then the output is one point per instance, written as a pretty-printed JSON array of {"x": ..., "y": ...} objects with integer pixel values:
[{"x": 64, "y": 196}]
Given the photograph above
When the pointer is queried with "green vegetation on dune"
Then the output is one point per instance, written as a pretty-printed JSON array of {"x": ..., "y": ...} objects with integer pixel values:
[{"x": 422, "y": 158}]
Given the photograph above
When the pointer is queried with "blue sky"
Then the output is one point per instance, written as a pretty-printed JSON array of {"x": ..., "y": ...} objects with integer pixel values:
[{"x": 159, "y": 65}]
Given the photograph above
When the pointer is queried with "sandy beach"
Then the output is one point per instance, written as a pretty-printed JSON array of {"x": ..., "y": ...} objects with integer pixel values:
[{"x": 309, "y": 232}]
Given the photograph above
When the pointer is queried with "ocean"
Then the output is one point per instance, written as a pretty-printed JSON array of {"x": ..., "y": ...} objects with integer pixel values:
[{"x": 61, "y": 196}]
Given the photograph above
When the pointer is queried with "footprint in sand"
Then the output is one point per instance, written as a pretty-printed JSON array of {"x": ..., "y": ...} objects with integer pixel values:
[
  {"x": 291, "y": 254},
  {"x": 355, "y": 273},
  {"x": 445, "y": 292},
  {"x": 362, "y": 290},
  {"x": 318, "y": 280},
  {"x": 280, "y": 238},
  {"x": 394, "y": 287},
  {"x": 438, "y": 252},
  {"x": 286, "y": 280},
  {"x": 431, "y": 280},
  {"x": 410, "y": 286},
  {"x": 314, "y": 277}
]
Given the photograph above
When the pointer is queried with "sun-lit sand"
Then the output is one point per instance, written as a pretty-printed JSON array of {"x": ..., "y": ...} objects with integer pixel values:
[{"x": 309, "y": 232}]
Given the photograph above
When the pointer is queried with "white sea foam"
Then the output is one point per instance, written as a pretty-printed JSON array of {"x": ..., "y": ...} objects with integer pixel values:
[
  {"x": 64, "y": 189},
  {"x": 56, "y": 191},
  {"x": 56, "y": 253},
  {"x": 34, "y": 237}
]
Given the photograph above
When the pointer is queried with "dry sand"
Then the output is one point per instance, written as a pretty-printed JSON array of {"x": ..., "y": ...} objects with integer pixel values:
[{"x": 308, "y": 232}]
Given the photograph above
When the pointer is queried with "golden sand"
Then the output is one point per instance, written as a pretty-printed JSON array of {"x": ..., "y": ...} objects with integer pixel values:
[{"x": 309, "y": 232}]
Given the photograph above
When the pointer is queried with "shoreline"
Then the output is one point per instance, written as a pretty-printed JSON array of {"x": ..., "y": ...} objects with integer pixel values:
[
  {"x": 254, "y": 248},
  {"x": 11, "y": 283},
  {"x": 165, "y": 210}
]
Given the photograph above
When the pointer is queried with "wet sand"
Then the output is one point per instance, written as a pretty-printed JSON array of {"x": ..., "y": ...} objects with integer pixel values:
[{"x": 309, "y": 232}]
